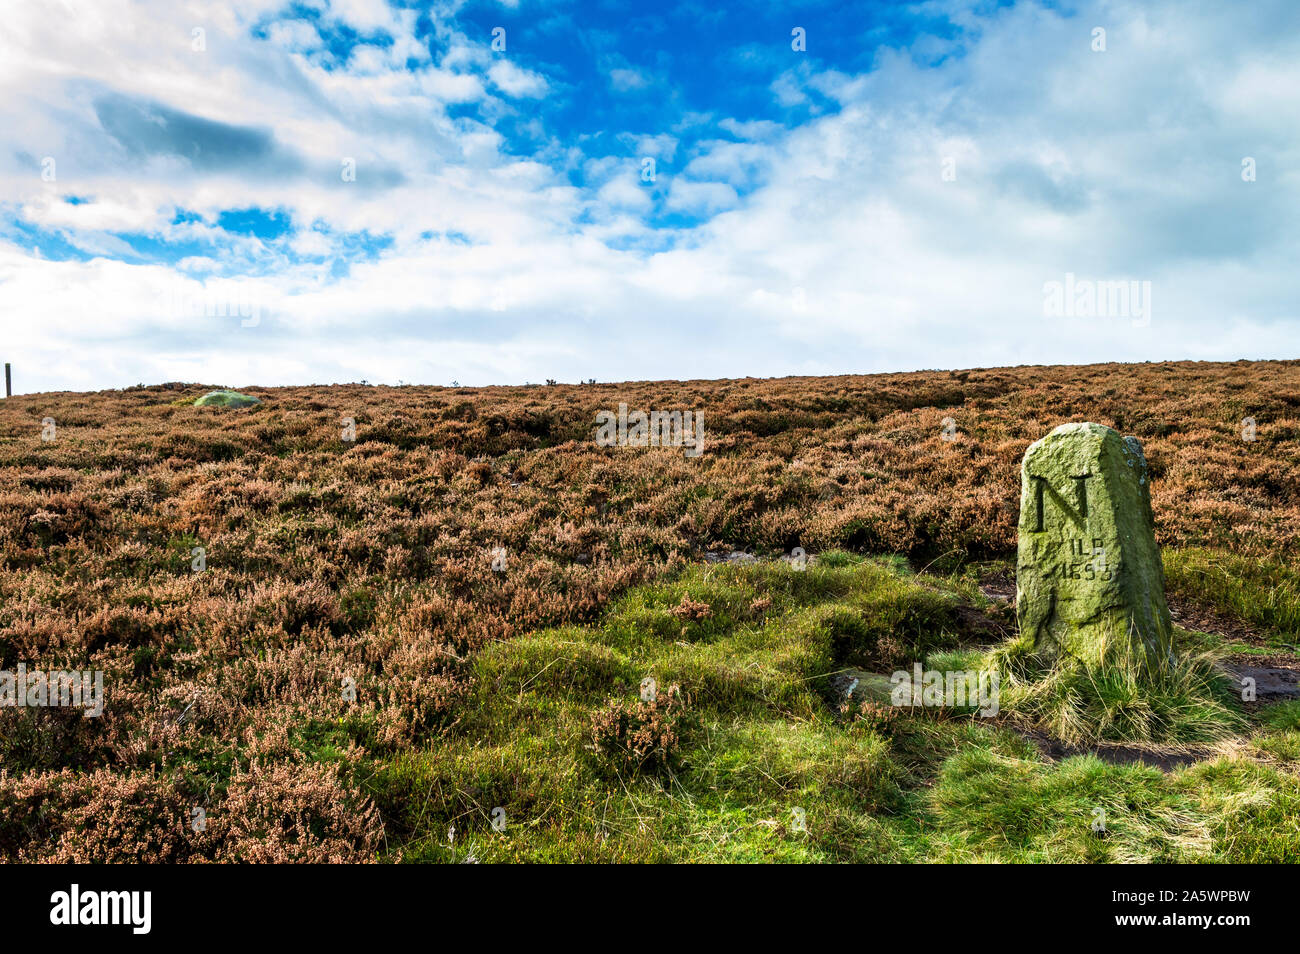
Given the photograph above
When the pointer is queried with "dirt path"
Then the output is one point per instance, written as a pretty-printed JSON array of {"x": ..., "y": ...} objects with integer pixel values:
[{"x": 1116, "y": 753}]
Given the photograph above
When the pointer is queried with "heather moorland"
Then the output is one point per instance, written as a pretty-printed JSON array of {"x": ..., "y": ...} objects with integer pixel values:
[{"x": 361, "y": 622}]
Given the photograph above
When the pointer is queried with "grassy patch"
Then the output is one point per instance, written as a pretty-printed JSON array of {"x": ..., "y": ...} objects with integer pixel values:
[
  {"x": 1081, "y": 810},
  {"x": 745, "y": 763},
  {"x": 742, "y": 758},
  {"x": 1263, "y": 592}
]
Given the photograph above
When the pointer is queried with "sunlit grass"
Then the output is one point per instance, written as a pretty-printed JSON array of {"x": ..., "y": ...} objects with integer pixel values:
[{"x": 772, "y": 771}]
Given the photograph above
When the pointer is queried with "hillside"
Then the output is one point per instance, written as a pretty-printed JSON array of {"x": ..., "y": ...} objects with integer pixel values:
[{"x": 304, "y": 638}]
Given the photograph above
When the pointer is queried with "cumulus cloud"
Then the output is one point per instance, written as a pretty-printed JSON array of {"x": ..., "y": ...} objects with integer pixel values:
[
  {"x": 517, "y": 82},
  {"x": 905, "y": 213}
]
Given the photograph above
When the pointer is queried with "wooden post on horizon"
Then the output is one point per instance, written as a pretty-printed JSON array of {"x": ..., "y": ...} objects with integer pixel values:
[{"x": 9, "y": 384}]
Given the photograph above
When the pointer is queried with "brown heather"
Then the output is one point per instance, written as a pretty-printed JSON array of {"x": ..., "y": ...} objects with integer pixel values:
[
  {"x": 372, "y": 561},
  {"x": 641, "y": 736}
]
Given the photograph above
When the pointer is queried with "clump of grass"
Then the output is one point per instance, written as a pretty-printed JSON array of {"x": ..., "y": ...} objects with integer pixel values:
[
  {"x": 1283, "y": 716},
  {"x": 999, "y": 808},
  {"x": 1118, "y": 695},
  {"x": 1253, "y": 810},
  {"x": 1262, "y": 591},
  {"x": 1279, "y": 738},
  {"x": 838, "y": 559}
]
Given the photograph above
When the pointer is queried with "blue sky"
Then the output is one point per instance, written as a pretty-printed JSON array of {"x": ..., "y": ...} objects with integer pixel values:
[{"x": 506, "y": 192}]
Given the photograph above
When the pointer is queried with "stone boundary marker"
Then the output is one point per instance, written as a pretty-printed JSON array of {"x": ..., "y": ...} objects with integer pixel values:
[{"x": 1088, "y": 570}]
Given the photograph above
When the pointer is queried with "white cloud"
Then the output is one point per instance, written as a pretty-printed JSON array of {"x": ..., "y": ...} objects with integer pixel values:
[
  {"x": 625, "y": 80},
  {"x": 661, "y": 146},
  {"x": 624, "y": 193},
  {"x": 849, "y": 251},
  {"x": 758, "y": 129},
  {"x": 701, "y": 198},
  {"x": 516, "y": 81},
  {"x": 365, "y": 15}
]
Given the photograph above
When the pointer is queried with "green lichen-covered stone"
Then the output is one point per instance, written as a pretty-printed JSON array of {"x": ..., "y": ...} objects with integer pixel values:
[
  {"x": 1088, "y": 568},
  {"x": 227, "y": 399}
]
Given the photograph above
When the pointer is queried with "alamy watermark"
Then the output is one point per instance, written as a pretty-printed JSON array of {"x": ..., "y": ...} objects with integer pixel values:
[
  {"x": 954, "y": 688},
  {"x": 131, "y": 908},
  {"x": 1086, "y": 298},
  {"x": 653, "y": 429},
  {"x": 64, "y": 689},
  {"x": 211, "y": 299}
]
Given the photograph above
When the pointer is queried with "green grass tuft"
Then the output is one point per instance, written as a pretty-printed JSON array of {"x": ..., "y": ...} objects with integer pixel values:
[{"x": 1120, "y": 697}]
